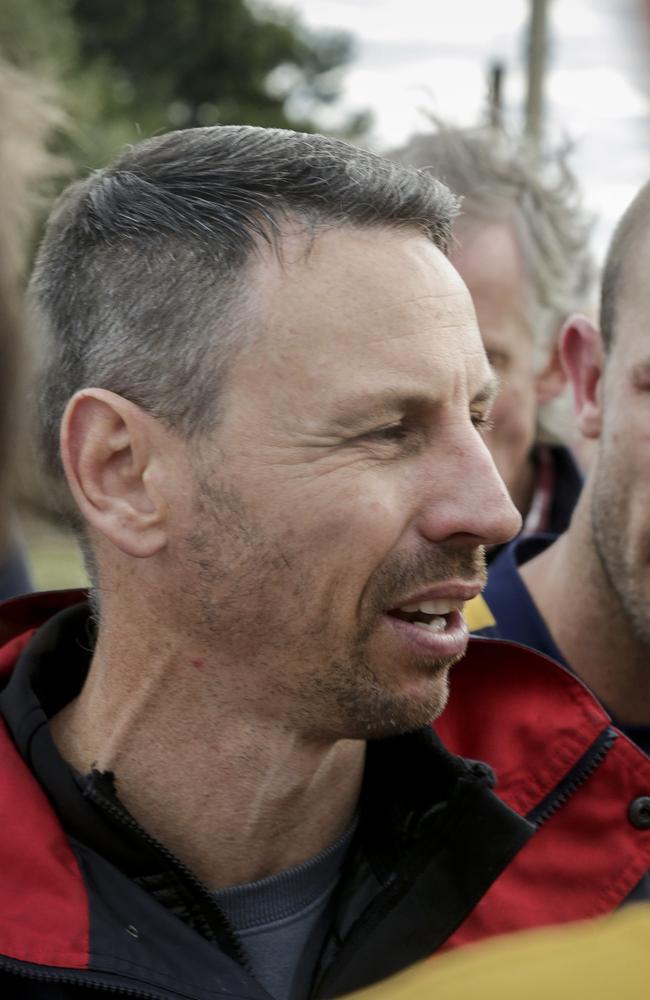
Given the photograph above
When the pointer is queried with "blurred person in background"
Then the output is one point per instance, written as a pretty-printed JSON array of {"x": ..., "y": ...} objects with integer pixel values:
[
  {"x": 582, "y": 599},
  {"x": 27, "y": 117},
  {"x": 522, "y": 247}
]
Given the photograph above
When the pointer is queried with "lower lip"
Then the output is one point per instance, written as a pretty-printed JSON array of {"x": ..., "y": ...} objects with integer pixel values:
[{"x": 450, "y": 642}]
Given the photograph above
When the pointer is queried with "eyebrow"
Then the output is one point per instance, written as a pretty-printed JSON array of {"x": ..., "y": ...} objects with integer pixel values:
[
  {"x": 375, "y": 407},
  {"x": 489, "y": 390},
  {"x": 391, "y": 401}
]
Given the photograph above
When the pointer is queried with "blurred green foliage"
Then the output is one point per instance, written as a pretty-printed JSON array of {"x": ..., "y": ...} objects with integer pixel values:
[{"x": 132, "y": 68}]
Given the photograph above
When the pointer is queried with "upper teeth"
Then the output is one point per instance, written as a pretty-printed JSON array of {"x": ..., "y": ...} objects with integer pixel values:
[{"x": 432, "y": 607}]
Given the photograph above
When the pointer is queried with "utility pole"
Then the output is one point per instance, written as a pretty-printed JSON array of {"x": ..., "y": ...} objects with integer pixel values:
[
  {"x": 495, "y": 95},
  {"x": 537, "y": 50}
]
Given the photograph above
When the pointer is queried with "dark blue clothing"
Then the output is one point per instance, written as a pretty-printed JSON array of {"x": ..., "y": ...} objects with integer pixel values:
[
  {"x": 558, "y": 482},
  {"x": 566, "y": 490},
  {"x": 517, "y": 618},
  {"x": 14, "y": 575}
]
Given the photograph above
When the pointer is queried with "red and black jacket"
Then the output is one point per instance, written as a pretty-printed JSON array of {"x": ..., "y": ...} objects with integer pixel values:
[
  {"x": 561, "y": 764},
  {"x": 91, "y": 903}
]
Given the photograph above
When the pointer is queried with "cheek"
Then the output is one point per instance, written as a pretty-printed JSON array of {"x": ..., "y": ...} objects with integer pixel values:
[
  {"x": 347, "y": 533},
  {"x": 624, "y": 465},
  {"x": 622, "y": 491},
  {"x": 366, "y": 517}
]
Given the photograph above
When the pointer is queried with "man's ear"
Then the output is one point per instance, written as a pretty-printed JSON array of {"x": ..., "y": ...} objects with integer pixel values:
[
  {"x": 582, "y": 357},
  {"x": 109, "y": 449},
  {"x": 550, "y": 382}
]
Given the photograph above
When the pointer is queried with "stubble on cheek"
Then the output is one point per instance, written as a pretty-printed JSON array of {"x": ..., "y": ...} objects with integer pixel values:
[
  {"x": 254, "y": 588},
  {"x": 374, "y": 700},
  {"x": 623, "y": 552},
  {"x": 305, "y": 636}
]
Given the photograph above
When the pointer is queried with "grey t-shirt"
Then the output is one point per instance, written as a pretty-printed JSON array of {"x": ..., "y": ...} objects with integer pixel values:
[{"x": 282, "y": 920}]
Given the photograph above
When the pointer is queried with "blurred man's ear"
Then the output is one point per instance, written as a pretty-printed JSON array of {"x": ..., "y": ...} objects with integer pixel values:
[
  {"x": 582, "y": 356},
  {"x": 550, "y": 382},
  {"x": 110, "y": 454}
]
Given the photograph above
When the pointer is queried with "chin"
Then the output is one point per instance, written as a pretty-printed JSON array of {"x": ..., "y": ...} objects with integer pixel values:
[{"x": 389, "y": 714}]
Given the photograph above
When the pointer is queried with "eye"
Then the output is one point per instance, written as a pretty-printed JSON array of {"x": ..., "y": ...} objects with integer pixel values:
[
  {"x": 482, "y": 422},
  {"x": 392, "y": 432},
  {"x": 499, "y": 360}
]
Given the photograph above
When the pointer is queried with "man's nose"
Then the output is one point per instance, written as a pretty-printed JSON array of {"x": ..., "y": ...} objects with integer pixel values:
[{"x": 466, "y": 496}]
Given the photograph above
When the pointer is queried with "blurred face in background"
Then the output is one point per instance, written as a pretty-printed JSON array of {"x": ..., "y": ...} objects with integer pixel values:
[
  {"x": 620, "y": 494},
  {"x": 488, "y": 259}
]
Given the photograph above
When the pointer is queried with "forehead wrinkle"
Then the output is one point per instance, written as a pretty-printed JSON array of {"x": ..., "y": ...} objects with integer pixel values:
[
  {"x": 464, "y": 323},
  {"x": 401, "y": 336},
  {"x": 395, "y": 303}
]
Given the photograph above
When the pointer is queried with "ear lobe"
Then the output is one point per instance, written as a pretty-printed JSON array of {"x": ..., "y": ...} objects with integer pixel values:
[
  {"x": 582, "y": 357},
  {"x": 551, "y": 381},
  {"x": 108, "y": 448}
]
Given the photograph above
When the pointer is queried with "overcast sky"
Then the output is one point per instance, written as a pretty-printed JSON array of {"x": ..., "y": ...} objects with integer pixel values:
[{"x": 417, "y": 54}]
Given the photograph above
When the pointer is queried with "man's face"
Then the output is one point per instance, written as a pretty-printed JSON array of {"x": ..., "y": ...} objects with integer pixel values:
[
  {"x": 620, "y": 494},
  {"x": 340, "y": 508},
  {"x": 489, "y": 262}
]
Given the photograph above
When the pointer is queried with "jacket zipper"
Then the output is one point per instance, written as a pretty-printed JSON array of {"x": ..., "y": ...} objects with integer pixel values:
[
  {"x": 577, "y": 776},
  {"x": 66, "y": 978},
  {"x": 230, "y": 944}
]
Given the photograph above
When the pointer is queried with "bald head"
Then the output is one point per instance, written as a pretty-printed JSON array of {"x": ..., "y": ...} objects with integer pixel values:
[{"x": 624, "y": 261}]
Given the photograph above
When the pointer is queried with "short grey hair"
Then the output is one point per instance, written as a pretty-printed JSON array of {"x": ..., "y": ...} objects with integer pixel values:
[
  {"x": 500, "y": 179},
  {"x": 630, "y": 231},
  {"x": 139, "y": 286}
]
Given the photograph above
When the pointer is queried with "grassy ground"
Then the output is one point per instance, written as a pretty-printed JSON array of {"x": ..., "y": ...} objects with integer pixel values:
[{"x": 53, "y": 553}]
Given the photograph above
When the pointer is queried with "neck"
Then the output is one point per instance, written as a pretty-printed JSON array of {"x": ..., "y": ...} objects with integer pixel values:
[
  {"x": 588, "y": 622},
  {"x": 236, "y": 796}
]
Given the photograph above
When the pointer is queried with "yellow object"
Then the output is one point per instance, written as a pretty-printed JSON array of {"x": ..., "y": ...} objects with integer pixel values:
[
  {"x": 478, "y": 615},
  {"x": 593, "y": 960}
]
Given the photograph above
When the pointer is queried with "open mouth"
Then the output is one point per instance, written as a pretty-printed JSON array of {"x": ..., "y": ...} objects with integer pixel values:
[{"x": 433, "y": 615}]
